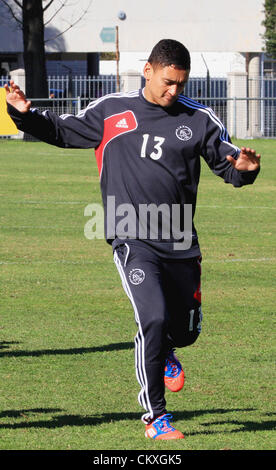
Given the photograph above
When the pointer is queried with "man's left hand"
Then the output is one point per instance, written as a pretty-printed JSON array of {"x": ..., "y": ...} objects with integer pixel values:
[{"x": 246, "y": 161}]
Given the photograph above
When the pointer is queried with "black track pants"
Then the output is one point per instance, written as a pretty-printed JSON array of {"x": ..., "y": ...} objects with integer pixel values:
[{"x": 165, "y": 295}]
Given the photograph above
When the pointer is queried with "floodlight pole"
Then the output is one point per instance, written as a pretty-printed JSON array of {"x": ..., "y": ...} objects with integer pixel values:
[{"x": 117, "y": 59}]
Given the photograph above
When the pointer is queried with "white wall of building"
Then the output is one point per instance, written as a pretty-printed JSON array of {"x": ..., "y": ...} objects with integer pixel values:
[
  {"x": 210, "y": 25},
  {"x": 202, "y": 25},
  {"x": 218, "y": 63}
]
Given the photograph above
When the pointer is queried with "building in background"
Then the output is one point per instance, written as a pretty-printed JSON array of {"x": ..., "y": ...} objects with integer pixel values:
[
  {"x": 224, "y": 38},
  {"x": 227, "y": 34}
]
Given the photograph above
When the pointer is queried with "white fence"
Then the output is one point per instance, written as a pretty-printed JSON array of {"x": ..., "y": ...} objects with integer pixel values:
[
  {"x": 84, "y": 86},
  {"x": 246, "y": 107}
]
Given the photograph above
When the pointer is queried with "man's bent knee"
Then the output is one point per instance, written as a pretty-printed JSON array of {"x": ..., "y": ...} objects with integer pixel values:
[{"x": 191, "y": 329}]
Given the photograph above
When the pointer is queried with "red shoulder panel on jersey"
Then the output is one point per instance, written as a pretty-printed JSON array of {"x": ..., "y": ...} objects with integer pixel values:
[{"x": 114, "y": 126}]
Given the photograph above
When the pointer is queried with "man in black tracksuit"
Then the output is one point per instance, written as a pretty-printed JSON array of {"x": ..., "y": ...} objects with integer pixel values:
[{"x": 148, "y": 146}]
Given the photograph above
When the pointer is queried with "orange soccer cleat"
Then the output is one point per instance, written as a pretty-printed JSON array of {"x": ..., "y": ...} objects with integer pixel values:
[
  {"x": 174, "y": 376},
  {"x": 160, "y": 428}
]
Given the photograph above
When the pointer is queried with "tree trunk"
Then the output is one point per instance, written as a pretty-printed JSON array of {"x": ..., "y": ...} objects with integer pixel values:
[{"x": 34, "y": 52}]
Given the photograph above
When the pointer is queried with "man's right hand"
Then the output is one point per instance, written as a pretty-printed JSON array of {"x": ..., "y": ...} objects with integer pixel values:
[{"x": 16, "y": 97}]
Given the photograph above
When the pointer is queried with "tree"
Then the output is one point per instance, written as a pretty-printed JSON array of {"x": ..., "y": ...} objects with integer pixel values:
[
  {"x": 34, "y": 50},
  {"x": 29, "y": 15},
  {"x": 270, "y": 27}
]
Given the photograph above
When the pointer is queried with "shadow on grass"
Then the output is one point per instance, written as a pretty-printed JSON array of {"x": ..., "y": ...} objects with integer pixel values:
[
  {"x": 54, "y": 352},
  {"x": 6, "y": 344},
  {"x": 62, "y": 420},
  {"x": 25, "y": 412},
  {"x": 243, "y": 425}
]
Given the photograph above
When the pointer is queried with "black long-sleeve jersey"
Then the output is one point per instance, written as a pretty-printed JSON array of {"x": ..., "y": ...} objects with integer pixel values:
[{"x": 148, "y": 159}]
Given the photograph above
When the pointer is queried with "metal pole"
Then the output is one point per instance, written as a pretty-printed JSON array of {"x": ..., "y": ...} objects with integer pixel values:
[
  {"x": 117, "y": 59},
  {"x": 207, "y": 78},
  {"x": 79, "y": 105},
  {"x": 262, "y": 95},
  {"x": 235, "y": 116}
]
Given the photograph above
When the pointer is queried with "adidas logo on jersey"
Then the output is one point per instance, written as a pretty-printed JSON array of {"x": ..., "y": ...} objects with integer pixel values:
[{"x": 122, "y": 123}]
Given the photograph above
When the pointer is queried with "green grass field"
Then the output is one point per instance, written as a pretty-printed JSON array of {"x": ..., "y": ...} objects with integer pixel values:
[{"x": 67, "y": 328}]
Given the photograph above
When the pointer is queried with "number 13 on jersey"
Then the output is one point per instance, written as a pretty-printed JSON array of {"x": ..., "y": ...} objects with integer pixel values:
[{"x": 157, "y": 153}]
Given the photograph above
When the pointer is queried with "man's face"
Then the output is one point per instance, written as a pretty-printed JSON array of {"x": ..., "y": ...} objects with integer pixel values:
[{"x": 164, "y": 84}]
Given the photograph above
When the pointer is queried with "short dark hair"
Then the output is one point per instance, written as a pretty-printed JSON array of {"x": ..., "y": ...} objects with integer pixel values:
[{"x": 170, "y": 52}]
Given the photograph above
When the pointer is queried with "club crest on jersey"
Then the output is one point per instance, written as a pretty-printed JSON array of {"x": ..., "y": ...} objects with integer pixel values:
[
  {"x": 183, "y": 133},
  {"x": 136, "y": 276}
]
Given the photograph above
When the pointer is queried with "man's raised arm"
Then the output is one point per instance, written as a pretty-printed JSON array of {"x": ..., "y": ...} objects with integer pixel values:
[
  {"x": 16, "y": 98},
  {"x": 81, "y": 131}
]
